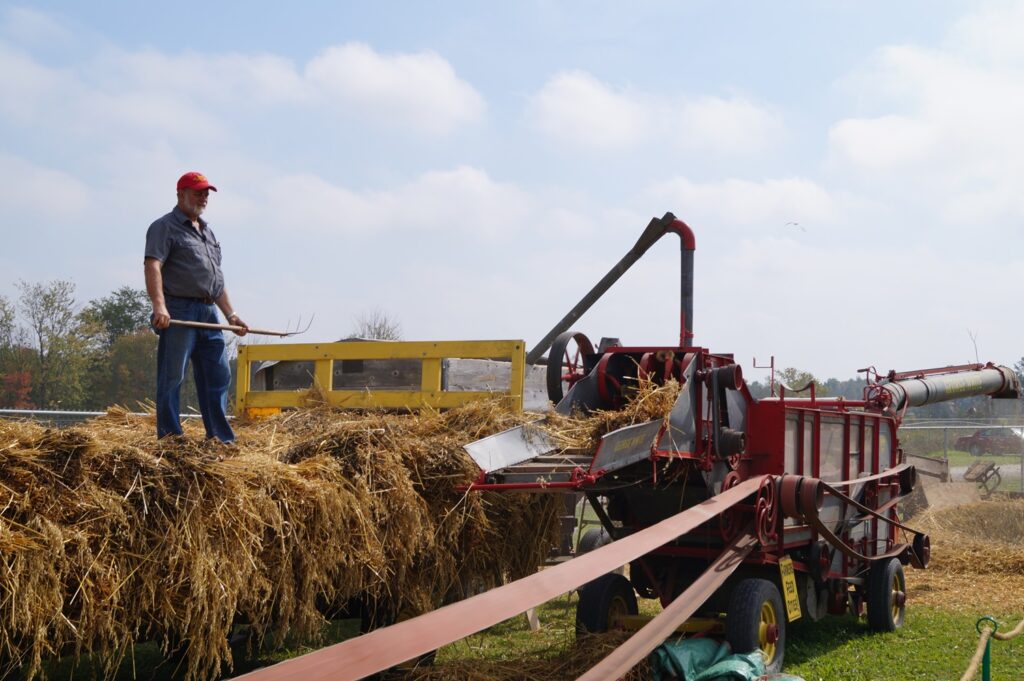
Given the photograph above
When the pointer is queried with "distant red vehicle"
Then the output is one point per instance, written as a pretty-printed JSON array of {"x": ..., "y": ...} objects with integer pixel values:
[{"x": 991, "y": 441}]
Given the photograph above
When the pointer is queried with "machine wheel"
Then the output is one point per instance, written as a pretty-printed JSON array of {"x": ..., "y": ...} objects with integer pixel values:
[
  {"x": 604, "y": 601},
  {"x": 976, "y": 450},
  {"x": 757, "y": 619},
  {"x": 887, "y": 595},
  {"x": 565, "y": 363},
  {"x": 594, "y": 538}
]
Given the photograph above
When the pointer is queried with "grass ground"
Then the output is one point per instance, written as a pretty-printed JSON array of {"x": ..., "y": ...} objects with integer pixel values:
[{"x": 935, "y": 644}]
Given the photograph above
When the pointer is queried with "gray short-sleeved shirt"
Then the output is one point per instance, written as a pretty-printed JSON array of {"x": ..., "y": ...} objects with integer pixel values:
[{"x": 191, "y": 261}]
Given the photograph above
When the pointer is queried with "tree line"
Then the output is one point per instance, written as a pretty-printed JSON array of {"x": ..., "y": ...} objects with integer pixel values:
[
  {"x": 57, "y": 354},
  {"x": 798, "y": 383}
]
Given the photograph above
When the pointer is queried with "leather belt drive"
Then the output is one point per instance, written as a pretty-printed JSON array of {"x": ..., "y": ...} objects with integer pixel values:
[{"x": 386, "y": 647}]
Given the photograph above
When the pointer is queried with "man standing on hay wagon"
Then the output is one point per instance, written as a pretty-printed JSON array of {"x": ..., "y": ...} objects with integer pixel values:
[{"x": 185, "y": 283}]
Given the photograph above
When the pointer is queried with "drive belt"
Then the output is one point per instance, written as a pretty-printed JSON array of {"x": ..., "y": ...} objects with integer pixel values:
[
  {"x": 802, "y": 498},
  {"x": 384, "y": 648}
]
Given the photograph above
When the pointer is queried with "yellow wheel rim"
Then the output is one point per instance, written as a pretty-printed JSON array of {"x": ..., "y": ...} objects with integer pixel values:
[
  {"x": 896, "y": 597},
  {"x": 617, "y": 610},
  {"x": 768, "y": 620}
]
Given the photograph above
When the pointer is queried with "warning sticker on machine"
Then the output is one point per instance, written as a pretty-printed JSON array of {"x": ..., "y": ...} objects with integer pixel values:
[{"x": 789, "y": 591}]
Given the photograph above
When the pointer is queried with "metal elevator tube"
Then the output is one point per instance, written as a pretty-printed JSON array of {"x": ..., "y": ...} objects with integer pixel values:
[
  {"x": 656, "y": 229},
  {"x": 989, "y": 380}
]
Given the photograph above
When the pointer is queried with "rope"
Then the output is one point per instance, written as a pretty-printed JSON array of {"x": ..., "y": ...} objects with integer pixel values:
[
  {"x": 1010, "y": 635},
  {"x": 972, "y": 669},
  {"x": 988, "y": 632}
]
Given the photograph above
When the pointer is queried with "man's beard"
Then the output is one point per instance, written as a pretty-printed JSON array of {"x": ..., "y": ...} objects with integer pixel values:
[{"x": 195, "y": 208}]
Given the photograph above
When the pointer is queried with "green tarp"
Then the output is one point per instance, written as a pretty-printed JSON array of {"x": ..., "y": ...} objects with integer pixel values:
[{"x": 703, "y": 659}]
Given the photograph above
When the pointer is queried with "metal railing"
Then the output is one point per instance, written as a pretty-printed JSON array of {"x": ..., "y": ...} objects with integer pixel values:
[{"x": 431, "y": 354}]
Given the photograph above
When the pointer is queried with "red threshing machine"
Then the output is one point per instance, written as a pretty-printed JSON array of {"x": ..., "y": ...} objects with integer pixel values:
[
  {"x": 830, "y": 473},
  {"x": 744, "y": 512}
]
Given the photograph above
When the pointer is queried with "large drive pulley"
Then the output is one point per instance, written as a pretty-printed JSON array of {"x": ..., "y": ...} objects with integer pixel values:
[{"x": 565, "y": 363}]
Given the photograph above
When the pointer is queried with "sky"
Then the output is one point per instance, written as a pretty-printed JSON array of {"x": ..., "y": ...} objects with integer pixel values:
[{"x": 852, "y": 170}]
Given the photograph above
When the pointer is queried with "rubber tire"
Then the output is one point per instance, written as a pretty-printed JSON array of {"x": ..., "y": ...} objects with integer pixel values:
[
  {"x": 880, "y": 596},
  {"x": 743, "y": 619},
  {"x": 976, "y": 450},
  {"x": 599, "y": 599},
  {"x": 594, "y": 538}
]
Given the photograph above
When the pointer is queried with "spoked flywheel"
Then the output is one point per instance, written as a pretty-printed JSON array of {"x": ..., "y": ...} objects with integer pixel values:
[{"x": 565, "y": 363}]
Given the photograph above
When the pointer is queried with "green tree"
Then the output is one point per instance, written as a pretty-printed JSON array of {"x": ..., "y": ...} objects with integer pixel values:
[
  {"x": 123, "y": 312},
  {"x": 60, "y": 350},
  {"x": 796, "y": 379},
  {"x": 126, "y": 375},
  {"x": 15, "y": 378}
]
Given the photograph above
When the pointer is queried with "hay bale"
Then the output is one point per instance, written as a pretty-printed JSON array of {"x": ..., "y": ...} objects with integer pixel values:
[{"x": 110, "y": 537}]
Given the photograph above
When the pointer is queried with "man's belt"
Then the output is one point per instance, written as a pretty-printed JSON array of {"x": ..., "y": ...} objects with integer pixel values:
[{"x": 206, "y": 300}]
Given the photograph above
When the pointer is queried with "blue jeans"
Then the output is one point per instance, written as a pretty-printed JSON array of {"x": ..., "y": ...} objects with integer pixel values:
[{"x": 210, "y": 368}]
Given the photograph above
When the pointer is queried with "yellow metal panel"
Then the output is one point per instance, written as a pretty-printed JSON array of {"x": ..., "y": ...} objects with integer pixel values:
[
  {"x": 384, "y": 350},
  {"x": 364, "y": 399},
  {"x": 518, "y": 377},
  {"x": 242, "y": 374},
  {"x": 430, "y": 352},
  {"x": 431, "y": 375},
  {"x": 322, "y": 374}
]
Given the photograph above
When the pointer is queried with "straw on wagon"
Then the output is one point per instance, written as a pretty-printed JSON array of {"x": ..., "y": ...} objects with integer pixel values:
[{"x": 109, "y": 537}]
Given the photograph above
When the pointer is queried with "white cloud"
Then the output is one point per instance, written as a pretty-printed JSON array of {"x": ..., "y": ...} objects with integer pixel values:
[
  {"x": 29, "y": 87},
  {"x": 577, "y": 108},
  {"x": 29, "y": 26},
  {"x": 992, "y": 33},
  {"x": 942, "y": 125},
  {"x": 885, "y": 142},
  {"x": 742, "y": 203},
  {"x": 223, "y": 78},
  {"x": 462, "y": 201},
  {"x": 192, "y": 95},
  {"x": 729, "y": 126},
  {"x": 421, "y": 90},
  {"x": 31, "y": 191}
]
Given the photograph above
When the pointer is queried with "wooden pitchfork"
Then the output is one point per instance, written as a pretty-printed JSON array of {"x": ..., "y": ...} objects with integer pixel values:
[{"x": 231, "y": 327}]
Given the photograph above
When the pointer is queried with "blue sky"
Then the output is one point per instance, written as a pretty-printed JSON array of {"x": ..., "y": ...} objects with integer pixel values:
[{"x": 473, "y": 170}]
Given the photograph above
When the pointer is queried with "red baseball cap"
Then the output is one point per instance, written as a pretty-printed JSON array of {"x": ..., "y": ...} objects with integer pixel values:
[{"x": 194, "y": 180}]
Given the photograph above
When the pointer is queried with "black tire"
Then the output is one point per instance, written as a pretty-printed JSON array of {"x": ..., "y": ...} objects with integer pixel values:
[
  {"x": 602, "y": 601},
  {"x": 976, "y": 450},
  {"x": 594, "y": 538},
  {"x": 755, "y": 616},
  {"x": 887, "y": 595}
]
